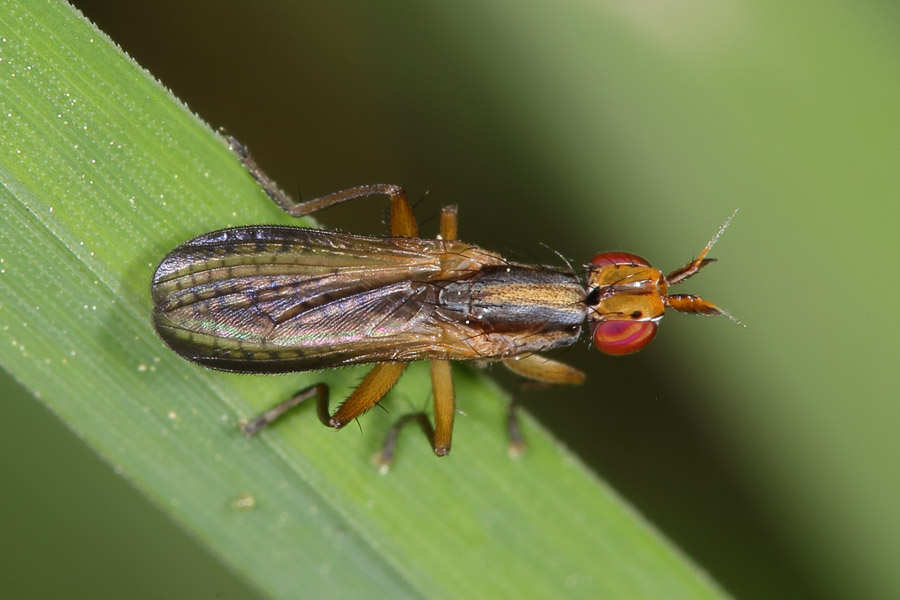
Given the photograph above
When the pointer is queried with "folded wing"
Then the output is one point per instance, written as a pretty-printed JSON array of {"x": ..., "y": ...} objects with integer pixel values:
[{"x": 276, "y": 299}]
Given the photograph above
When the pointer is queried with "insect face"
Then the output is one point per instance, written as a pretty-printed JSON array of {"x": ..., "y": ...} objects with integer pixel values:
[{"x": 626, "y": 297}]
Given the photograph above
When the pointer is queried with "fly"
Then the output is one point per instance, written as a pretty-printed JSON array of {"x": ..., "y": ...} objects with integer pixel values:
[{"x": 270, "y": 299}]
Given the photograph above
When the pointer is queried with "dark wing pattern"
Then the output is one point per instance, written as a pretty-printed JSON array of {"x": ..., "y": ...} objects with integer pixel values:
[{"x": 275, "y": 299}]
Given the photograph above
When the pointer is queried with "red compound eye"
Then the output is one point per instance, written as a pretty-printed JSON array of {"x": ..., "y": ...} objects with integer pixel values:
[
  {"x": 611, "y": 259},
  {"x": 623, "y": 337}
]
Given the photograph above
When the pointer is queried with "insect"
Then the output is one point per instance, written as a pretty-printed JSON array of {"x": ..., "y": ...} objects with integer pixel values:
[{"x": 271, "y": 299}]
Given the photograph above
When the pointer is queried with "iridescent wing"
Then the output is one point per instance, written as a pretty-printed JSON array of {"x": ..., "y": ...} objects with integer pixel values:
[{"x": 276, "y": 299}]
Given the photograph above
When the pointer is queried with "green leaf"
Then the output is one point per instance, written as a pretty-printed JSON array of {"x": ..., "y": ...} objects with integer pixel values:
[{"x": 102, "y": 173}]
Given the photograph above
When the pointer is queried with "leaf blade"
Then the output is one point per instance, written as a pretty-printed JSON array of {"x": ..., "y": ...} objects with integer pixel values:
[{"x": 101, "y": 174}]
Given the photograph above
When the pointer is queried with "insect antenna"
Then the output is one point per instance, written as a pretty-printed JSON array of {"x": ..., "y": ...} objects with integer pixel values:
[
  {"x": 732, "y": 318},
  {"x": 721, "y": 230}
]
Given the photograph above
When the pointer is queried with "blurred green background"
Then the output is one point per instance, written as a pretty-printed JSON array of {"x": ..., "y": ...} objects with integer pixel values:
[{"x": 767, "y": 453}]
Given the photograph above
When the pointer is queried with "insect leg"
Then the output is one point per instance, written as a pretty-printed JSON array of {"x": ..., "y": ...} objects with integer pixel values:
[
  {"x": 517, "y": 445},
  {"x": 444, "y": 406},
  {"x": 320, "y": 391},
  {"x": 376, "y": 384},
  {"x": 449, "y": 222},
  {"x": 538, "y": 368},
  {"x": 535, "y": 368},
  {"x": 439, "y": 436},
  {"x": 403, "y": 222},
  {"x": 441, "y": 375},
  {"x": 385, "y": 458}
]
